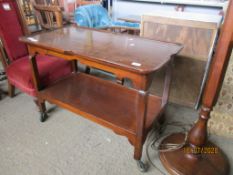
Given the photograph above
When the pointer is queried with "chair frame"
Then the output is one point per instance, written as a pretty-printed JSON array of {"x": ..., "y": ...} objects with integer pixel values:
[
  {"x": 6, "y": 62},
  {"x": 51, "y": 12},
  {"x": 3, "y": 55}
]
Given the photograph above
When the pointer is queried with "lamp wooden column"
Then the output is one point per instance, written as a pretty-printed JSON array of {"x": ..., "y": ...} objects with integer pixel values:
[{"x": 199, "y": 156}]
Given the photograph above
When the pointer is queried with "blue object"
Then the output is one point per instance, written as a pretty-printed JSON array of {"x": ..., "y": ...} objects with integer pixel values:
[{"x": 96, "y": 16}]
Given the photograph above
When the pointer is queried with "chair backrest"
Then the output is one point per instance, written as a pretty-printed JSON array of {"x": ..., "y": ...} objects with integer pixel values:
[
  {"x": 92, "y": 16},
  {"x": 49, "y": 16},
  {"x": 11, "y": 30}
]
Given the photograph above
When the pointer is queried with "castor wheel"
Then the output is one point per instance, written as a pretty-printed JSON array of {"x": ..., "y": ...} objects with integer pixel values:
[
  {"x": 43, "y": 116},
  {"x": 143, "y": 167}
]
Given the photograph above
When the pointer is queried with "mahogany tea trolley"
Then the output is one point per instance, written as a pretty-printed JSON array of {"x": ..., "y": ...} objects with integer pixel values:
[{"x": 128, "y": 111}]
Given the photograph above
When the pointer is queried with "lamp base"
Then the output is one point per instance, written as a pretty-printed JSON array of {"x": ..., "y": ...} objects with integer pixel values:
[{"x": 208, "y": 160}]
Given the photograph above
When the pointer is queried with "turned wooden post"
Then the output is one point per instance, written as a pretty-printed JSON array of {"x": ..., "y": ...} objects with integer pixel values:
[
  {"x": 198, "y": 134},
  {"x": 192, "y": 158}
]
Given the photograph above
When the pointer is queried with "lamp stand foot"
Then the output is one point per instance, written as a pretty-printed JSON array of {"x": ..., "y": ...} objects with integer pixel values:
[{"x": 207, "y": 160}]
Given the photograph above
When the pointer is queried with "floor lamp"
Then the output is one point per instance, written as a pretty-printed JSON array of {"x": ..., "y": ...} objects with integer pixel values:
[{"x": 199, "y": 156}]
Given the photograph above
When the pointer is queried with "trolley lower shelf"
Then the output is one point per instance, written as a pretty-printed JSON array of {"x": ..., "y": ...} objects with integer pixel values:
[{"x": 106, "y": 103}]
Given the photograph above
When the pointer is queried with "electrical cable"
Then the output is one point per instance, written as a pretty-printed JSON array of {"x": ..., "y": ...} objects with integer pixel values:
[{"x": 158, "y": 134}]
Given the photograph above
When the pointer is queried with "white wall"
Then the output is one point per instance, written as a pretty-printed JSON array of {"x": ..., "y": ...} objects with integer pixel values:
[{"x": 124, "y": 8}]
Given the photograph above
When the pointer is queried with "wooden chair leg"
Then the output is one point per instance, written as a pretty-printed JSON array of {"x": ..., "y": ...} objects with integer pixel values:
[
  {"x": 11, "y": 90},
  {"x": 42, "y": 108}
]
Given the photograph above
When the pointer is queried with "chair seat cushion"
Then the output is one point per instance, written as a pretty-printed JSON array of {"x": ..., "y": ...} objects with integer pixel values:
[{"x": 50, "y": 69}]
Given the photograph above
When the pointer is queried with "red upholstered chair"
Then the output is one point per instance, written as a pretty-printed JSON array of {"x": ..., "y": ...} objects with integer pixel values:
[{"x": 17, "y": 65}]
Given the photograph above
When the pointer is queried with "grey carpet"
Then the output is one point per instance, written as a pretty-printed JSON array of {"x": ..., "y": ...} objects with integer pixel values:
[{"x": 67, "y": 144}]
